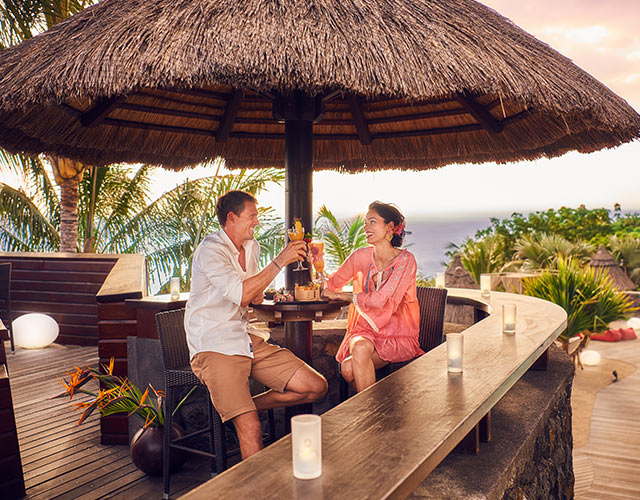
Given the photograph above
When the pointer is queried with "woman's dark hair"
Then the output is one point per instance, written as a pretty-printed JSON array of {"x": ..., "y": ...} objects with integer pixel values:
[
  {"x": 390, "y": 213},
  {"x": 232, "y": 201}
]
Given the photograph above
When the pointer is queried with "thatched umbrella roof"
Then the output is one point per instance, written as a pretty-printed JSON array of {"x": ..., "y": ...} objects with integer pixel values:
[
  {"x": 603, "y": 262},
  {"x": 398, "y": 83},
  {"x": 456, "y": 275}
]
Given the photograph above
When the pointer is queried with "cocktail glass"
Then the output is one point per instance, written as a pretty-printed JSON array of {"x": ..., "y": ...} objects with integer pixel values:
[
  {"x": 317, "y": 252},
  {"x": 297, "y": 234}
]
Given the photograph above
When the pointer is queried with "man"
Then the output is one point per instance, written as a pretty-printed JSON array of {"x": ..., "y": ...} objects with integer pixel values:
[{"x": 224, "y": 350}]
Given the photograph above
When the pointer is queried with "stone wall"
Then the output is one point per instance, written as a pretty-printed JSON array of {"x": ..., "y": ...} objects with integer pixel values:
[{"x": 530, "y": 454}]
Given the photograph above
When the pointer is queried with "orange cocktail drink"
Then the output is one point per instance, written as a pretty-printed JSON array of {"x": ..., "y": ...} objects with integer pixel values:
[
  {"x": 296, "y": 233},
  {"x": 317, "y": 252}
]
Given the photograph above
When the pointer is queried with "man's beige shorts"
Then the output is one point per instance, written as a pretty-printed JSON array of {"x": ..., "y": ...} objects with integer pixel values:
[{"x": 227, "y": 377}]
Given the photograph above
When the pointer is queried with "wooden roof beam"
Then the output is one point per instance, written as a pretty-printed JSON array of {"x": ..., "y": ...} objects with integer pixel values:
[
  {"x": 359, "y": 120},
  {"x": 481, "y": 115},
  {"x": 229, "y": 116},
  {"x": 96, "y": 115}
]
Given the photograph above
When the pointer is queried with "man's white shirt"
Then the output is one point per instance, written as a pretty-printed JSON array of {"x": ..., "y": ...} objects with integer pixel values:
[{"x": 214, "y": 319}]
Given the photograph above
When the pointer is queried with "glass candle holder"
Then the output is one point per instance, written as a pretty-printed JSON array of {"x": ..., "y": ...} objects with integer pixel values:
[
  {"x": 455, "y": 348},
  {"x": 439, "y": 280},
  {"x": 306, "y": 446},
  {"x": 175, "y": 288},
  {"x": 509, "y": 319},
  {"x": 485, "y": 285}
]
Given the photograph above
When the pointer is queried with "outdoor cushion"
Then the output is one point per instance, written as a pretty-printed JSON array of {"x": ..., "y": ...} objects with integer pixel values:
[
  {"x": 608, "y": 336},
  {"x": 628, "y": 333}
]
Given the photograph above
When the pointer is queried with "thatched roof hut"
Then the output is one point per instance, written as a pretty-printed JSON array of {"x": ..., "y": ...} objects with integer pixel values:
[
  {"x": 603, "y": 262},
  {"x": 396, "y": 84},
  {"x": 456, "y": 275}
]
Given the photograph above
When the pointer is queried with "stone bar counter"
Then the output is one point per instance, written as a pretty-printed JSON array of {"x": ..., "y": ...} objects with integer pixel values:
[{"x": 384, "y": 441}]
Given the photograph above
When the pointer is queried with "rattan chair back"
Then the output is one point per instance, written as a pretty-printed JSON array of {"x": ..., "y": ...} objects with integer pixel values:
[
  {"x": 173, "y": 339},
  {"x": 432, "y": 302}
]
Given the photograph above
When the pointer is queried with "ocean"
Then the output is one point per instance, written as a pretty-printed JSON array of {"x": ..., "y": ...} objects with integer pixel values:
[{"x": 430, "y": 237}]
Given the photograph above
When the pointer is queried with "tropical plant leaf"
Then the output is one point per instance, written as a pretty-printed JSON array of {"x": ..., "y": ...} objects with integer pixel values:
[{"x": 589, "y": 298}]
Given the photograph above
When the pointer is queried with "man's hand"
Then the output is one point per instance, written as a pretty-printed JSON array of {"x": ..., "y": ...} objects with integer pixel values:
[
  {"x": 295, "y": 250},
  {"x": 253, "y": 287}
]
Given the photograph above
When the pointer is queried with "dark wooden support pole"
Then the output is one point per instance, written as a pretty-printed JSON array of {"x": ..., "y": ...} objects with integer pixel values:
[
  {"x": 96, "y": 115},
  {"x": 229, "y": 116},
  {"x": 541, "y": 362},
  {"x": 471, "y": 442},
  {"x": 485, "y": 428},
  {"x": 298, "y": 114},
  {"x": 298, "y": 186},
  {"x": 359, "y": 120},
  {"x": 481, "y": 115}
]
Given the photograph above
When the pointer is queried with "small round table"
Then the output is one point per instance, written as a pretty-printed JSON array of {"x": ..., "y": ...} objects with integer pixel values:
[{"x": 298, "y": 317}]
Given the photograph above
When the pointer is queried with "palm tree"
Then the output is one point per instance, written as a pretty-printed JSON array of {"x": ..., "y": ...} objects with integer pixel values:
[
  {"x": 542, "y": 251},
  {"x": 116, "y": 215},
  {"x": 626, "y": 251},
  {"x": 20, "y": 21},
  {"x": 486, "y": 255},
  {"x": 341, "y": 238},
  {"x": 170, "y": 228}
]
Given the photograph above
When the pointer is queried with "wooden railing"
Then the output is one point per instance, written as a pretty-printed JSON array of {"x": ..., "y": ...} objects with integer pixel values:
[
  {"x": 384, "y": 441},
  {"x": 85, "y": 294},
  {"x": 65, "y": 286}
]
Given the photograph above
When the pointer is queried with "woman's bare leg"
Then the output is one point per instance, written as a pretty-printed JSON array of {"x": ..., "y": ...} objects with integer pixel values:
[
  {"x": 365, "y": 362},
  {"x": 346, "y": 370}
]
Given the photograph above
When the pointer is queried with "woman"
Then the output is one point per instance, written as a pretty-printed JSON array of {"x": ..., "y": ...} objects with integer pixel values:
[{"x": 384, "y": 316}]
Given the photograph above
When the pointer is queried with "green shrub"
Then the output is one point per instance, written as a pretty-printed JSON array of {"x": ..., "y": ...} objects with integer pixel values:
[
  {"x": 589, "y": 298},
  {"x": 482, "y": 256},
  {"x": 426, "y": 282}
]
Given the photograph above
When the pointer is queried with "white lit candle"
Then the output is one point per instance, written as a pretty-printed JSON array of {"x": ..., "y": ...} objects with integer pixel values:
[
  {"x": 439, "y": 280},
  {"x": 485, "y": 285},
  {"x": 175, "y": 288},
  {"x": 509, "y": 319},
  {"x": 306, "y": 446},
  {"x": 455, "y": 348}
]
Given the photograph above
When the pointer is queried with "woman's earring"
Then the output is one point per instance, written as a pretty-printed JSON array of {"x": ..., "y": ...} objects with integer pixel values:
[{"x": 389, "y": 236}]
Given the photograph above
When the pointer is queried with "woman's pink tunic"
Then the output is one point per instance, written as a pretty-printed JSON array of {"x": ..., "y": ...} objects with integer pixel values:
[{"x": 386, "y": 308}]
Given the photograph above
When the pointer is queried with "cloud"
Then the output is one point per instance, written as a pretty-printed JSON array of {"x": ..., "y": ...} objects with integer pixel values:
[{"x": 586, "y": 35}]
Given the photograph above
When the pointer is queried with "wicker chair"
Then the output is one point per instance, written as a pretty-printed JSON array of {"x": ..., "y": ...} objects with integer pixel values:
[
  {"x": 178, "y": 373},
  {"x": 5, "y": 298},
  {"x": 432, "y": 302}
]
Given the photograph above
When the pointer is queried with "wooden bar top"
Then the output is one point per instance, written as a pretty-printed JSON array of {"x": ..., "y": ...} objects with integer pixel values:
[{"x": 384, "y": 441}]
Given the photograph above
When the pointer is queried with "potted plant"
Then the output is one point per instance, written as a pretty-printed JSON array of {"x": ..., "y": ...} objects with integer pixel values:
[{"x": 116, "y": 395}]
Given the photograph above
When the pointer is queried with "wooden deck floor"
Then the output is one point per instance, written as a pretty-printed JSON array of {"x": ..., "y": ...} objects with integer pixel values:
[
  {"x": 62, "y": 460},
  {"x": 607, "y": 467}
]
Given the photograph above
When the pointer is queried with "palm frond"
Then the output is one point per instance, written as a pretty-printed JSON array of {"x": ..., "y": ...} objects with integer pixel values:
[{"x": 23, "y": 221}]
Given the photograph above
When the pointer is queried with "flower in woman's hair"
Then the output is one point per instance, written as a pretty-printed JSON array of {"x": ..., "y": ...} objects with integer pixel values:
[{"x": 398, "y": 229}]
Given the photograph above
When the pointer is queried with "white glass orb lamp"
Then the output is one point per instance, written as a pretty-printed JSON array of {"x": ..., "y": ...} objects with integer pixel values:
[{"x": 34, "y": 330}]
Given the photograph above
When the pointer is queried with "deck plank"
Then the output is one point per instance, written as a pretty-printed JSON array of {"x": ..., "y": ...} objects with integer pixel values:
[
  {"x": 606, "y": 468},
  {"x": 63, "y": 460}
]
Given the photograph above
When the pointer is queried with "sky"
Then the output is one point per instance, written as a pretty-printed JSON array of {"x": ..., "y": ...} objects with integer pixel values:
[{"x": 600, "y": 36}]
